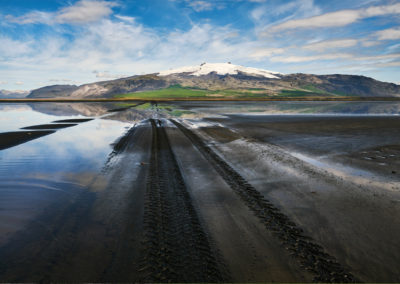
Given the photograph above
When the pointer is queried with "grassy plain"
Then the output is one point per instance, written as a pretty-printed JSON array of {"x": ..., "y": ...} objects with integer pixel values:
[
  {"x": 182, "y": 93},
  {"x": 178, "y": 91}
]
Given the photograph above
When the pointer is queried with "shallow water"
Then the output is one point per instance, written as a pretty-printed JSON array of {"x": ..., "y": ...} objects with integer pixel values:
[{"x": 36, "y": 173}]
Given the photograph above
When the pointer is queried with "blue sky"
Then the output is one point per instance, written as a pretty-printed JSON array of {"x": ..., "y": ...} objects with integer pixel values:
[{"x": 80, "y": 41}]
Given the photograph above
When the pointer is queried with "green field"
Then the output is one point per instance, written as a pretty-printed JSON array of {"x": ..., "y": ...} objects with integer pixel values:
[
  {"x": 178, "y": 91},
  {"x": 175, "y": 91}
]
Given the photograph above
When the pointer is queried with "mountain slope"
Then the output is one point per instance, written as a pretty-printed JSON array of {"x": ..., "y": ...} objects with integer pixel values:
[
  {"x": 224, "y": 79},
  {"x": 5, "y": 94},
  {"x": 53, "y": 91}
]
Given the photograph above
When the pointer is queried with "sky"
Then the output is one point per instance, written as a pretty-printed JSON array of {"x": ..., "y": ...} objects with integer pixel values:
[{"x": 51, "y": 42}]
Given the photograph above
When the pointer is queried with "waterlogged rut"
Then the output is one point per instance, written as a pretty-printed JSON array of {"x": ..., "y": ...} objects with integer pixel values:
[{"x": 176, "y": 248}]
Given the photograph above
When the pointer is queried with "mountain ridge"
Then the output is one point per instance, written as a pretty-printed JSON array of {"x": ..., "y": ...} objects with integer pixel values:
[
  {"x": 6, "y": 94},
  {"x": 225, "y": 79}
]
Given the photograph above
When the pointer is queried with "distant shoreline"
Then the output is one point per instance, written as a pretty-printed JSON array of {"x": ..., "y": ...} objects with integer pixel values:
[{"x": 308, "y": 99}]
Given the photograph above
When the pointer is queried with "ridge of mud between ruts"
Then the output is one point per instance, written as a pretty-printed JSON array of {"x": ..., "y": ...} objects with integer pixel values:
[
  {"x": 310, "y": 255},
  {"x": 118, "y": 147},
  {"x": 176, "y": 248}
]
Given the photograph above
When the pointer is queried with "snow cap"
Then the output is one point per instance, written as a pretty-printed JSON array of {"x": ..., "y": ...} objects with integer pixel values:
[{"x": 220, "y": 69}]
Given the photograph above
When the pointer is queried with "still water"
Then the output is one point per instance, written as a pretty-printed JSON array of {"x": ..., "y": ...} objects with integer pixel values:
[{"x": 57, "y": 166}]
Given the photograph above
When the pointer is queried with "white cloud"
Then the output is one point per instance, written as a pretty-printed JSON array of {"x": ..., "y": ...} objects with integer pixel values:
[
  {"x": 200, "y": 6},
  {"x": 263, "y": 14},
  {"x": 19, "y": 83},
  {"x": 330, "y": 44},
  {"x": 85, "y": 11},
  {"x": 107, "y": 75},
  {"x": 112, "y": 42},
  {"x": 297, "y": 59},
  {"x": 388, "y": 34},
  {"x": 32, "y": 18},
  {"x": 388, "y": 64},
  {"x": 299, "y": 7},
  {"x": 369, "y": 43},
  {"x": 125, "y": 48},
  {"x": 125, "y": 18},
  {"x": 336, "y": 56},
  {"x": 393, "y": 47},
  {"x": 369, "y": 66},
  {"x": 12, "y": 48},
  {"x": 258, "y": 13},
  {"x": 338, "y": 18},
  {"x": 381, "y": 10},
  {"x": 205, "y": 43},
  {"x": 82, "y": 12},
  {"x": 3, "y": 82},
  {"x": 334, "y": 19},
  {"x": 260, "y": 53},
  {"x": 384, "y": 57},
  {"x": 65, "y": 81}
]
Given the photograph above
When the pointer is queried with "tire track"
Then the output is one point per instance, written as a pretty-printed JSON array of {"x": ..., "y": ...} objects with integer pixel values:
[
  {"x": 176, "y": 248},
  {"x": 310, "y": 255}
]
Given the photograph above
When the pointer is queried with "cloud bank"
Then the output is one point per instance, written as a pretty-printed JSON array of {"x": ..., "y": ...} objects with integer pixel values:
[{"x": 72, "y": 41}]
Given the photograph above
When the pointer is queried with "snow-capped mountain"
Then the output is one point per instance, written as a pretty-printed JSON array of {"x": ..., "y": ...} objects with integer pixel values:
[
  {"x": 221, "y": 69},
  {"x": 219, "y": 77}
]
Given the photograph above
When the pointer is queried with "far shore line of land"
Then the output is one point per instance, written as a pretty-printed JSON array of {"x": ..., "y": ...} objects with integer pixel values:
[{"x": 69, "y": 100}]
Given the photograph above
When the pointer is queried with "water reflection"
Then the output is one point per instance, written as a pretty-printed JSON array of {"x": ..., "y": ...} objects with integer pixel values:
[{"x": 52, "y": 169}]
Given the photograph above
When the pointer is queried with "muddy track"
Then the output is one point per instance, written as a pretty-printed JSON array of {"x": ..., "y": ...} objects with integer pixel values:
[
  {"x": 310, "y": 255},
  {"x": 175, "y": 248},
  {"x": 118, "y": 147}
]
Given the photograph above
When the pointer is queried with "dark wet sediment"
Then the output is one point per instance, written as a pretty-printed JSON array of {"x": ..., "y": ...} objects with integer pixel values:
[
  {"x": 11, "y": 139},
  {"x": 310, "y": 255},
  {"x": 73, "y": 120},
  {"x": 50, "y": 126}
]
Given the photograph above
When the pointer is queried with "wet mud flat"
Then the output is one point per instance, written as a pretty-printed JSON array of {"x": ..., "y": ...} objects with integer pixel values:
[
  {"x": 337, "y": 176},
  {"x": 318, "y": 134},
  {"x": 367, "y": 142},
  {"x": 234, "y": 199}
]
